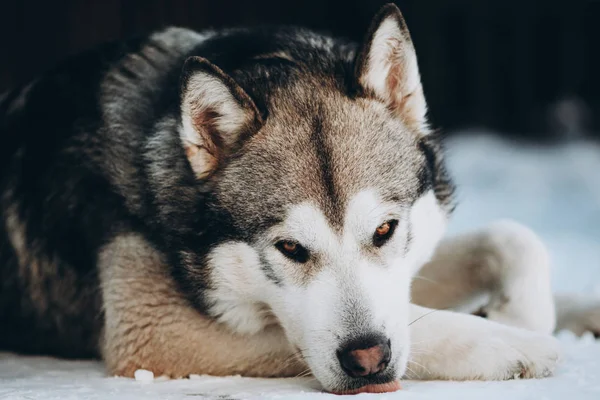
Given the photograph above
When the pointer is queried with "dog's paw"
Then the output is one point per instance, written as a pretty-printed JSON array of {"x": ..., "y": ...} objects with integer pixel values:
[
  {"x": 484, "y": 350},
  {"x": 515, "y": 354},
  {"x": 521, "y": 293},
  {"x": 579, "y": 315}
]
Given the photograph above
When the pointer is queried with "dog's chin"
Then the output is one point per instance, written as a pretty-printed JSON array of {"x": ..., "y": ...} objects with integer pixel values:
[
  {"x": 372, "y": 388},
  {"x": 388, "y": 381}
]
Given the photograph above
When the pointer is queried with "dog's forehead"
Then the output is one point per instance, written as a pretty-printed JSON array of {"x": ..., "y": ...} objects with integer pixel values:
[{"x": 322, "y": 150}]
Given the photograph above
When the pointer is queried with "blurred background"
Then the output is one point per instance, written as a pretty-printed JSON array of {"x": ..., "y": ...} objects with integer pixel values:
[
  {"x": 524, "y": 67},
  {"x": 514, "y": 83}
]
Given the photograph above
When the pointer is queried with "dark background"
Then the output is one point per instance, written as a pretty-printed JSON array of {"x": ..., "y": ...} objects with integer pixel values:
[{"x": 522, "y": 67}]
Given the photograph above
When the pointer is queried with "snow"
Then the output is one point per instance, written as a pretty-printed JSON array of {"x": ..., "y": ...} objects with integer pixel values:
[
  {"x": 554, "y": 190},
  {"x": 142, "y": 375}
]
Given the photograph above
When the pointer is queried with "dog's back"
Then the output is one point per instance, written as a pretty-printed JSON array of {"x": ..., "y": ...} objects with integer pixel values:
[
  {"x": 58, "y": 202},
  {"x": 49, "y": 294}
]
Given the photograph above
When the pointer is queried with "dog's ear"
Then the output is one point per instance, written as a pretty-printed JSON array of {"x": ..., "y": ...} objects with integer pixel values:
[
  {"x": 216, "y": 114},
  {"x": 387, "y": 67}
]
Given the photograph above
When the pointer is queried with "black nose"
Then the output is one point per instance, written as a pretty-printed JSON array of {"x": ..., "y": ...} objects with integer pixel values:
[{"x": 365, "y": 356}]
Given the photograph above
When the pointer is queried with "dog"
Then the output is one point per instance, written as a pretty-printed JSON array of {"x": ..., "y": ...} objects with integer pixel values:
[{"x": 267, "y": 202}]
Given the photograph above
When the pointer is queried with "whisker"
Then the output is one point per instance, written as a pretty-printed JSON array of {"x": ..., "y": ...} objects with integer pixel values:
[
  {"x": 304, "y": 373},
  {"x": 423, "y": 316},
  {"x": 410, "y": 370},
  {"x": 427, "y": 279},
  {"x": 421, "y": 341},
  {"x": 422, "y": 366}
]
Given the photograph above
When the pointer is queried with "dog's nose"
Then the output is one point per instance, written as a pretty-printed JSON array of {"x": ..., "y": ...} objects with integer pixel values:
[{"x": 365, "y": 356}]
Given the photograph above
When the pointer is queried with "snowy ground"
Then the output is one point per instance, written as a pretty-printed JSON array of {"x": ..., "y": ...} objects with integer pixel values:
[{"x": 555, "y": 190}]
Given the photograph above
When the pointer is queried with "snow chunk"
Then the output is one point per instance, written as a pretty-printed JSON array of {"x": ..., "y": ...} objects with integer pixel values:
[{"x": 142, "y": 375}]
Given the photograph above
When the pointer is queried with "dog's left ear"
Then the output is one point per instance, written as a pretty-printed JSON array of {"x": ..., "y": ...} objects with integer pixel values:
[
  {"x": 387, "y": 67},
  {"x": 216, "y": 115}
]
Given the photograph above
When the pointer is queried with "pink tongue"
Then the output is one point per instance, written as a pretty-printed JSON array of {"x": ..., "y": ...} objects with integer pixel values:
[{"x": 380, "y": 388}]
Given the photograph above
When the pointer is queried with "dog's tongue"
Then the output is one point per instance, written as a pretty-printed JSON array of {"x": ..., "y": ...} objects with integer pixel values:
[{"x": 379, "y": 388}]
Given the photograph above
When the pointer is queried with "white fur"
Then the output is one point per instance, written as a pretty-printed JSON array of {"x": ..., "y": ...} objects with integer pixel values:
[
  {"x": 386, "y": 38},
  {"x": 504, "y": 267},
  {"x": 347, "y": 289},
  {"x": 522, "y": 267},
  {"x": 428, "y": 224},
  {"x": 449, "y": 345},
  {"x": 306, "y": 224},
  {"x": 578, "y": 314},
  {"x": 239, "y": 283},
  {"x": 392, "y": 52},
  {"x": 366, "y": 212},
  {"x": 205, "y": 91}
]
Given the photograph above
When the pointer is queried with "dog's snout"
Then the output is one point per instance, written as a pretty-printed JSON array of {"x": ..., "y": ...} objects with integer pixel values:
[{"x": 365, "y": 356}]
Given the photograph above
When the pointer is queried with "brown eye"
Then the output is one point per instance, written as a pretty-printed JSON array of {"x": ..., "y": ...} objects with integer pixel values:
[
  {"x": 292, "y": 250},
  {"x": 383, "y": 229},
  {"x": 289, "y": 247},
  {"x": 384, "y": 232}
]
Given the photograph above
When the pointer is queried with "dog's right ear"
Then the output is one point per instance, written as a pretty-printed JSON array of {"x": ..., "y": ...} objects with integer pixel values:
[
  {"x": 216, "y": 113},
  {"x": 387, "y": 67}
]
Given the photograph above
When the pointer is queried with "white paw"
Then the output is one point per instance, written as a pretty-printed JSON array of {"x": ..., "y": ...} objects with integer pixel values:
[
  {"x": 579, "y": 315},
  {"x": 477, "y": 349},
  {"x": 521, "y": 262},
  {"x": 514, "y": 354}
]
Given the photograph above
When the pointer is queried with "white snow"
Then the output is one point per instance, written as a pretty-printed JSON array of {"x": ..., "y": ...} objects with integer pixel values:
[
  {"x": 142, "y": 375},
  {"x": 555, "y": 190}
]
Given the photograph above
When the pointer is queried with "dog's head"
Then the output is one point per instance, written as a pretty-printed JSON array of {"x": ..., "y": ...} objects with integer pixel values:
[{"x": 331, "y": 185}]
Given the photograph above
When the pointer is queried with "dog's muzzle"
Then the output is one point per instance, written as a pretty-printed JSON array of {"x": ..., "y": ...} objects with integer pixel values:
[{"x": 365, "y": 361}]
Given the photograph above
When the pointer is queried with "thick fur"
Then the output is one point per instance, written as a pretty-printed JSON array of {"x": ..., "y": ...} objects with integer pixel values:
[{"x": 146, "y": 185}]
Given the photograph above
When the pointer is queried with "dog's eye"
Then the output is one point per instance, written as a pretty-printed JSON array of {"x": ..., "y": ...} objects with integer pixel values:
[
  {"x": 292, "y": 250},
  {"x": 384, "y": 232}
]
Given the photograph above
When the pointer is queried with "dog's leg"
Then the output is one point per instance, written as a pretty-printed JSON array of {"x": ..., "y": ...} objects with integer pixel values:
[
  {"x": 501, "y": 272},
  {"x": 578, "y": 314},
  {"x": 150, "y": 325},
  {"x": 449, "y": 345}
]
